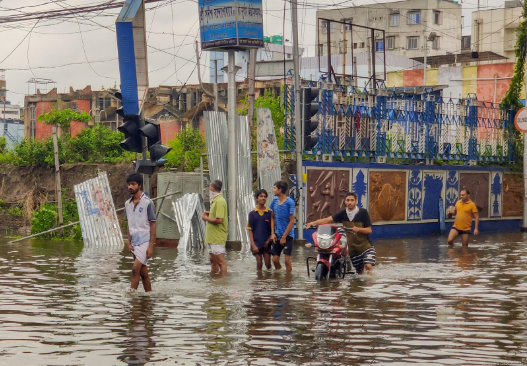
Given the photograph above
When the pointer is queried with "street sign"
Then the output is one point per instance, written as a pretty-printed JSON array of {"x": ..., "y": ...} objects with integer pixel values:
[
  {"x": 131, "y": 46},
  {"x": 520, "y": 120},
  {"x": 230, "y": 24}
]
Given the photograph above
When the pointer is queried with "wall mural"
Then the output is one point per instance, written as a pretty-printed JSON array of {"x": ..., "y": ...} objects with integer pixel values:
[
  {"x": 512, "y": 195},
  {"x": 387, "y": 195},
  {"x": 415, "y": 194},
  {"x": 495, "y": 193},
  {"x": 478, "y": 186},
  {"x": 452, "y": 190},
  {"x": 360, "y": 186},
  {"x": 433, "y": 183},
  {"x": 326, "y": 192}
]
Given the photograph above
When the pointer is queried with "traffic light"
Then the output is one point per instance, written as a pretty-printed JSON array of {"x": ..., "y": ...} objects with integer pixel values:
[
  {"x": 310, "y": 109},
  {"x": 152, "y": 132},
  {"x": 130, "y": 127}
]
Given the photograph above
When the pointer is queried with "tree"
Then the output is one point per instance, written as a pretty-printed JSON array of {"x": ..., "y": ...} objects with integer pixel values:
[
  {"x": 63, "y": 118},
  {"x": 187, "y": 147},
  {"x": 268, "y": 100}
]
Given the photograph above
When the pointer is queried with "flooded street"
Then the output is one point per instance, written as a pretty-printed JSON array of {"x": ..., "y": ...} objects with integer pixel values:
[{"x": 425, "y": 304}]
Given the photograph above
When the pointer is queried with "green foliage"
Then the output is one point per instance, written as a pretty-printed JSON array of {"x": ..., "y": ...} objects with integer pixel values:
[
  {"x": 63, "y": 118},
  {"x": 268, "y": 100},
  {"x": 3, "y": 144},
  {"x": 187, "y": 147},
  {"x": 512, "y": 97},
  {"x": 93, "y": 145},
  {"x": 47, "y": 218},
  {"x": 16, "y": 211}
]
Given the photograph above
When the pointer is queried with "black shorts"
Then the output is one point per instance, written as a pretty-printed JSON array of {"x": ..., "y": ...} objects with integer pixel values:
[
  {"x": 262, "y": 250},
  {"x": 461, "y": 231},
  {"x": 287, "y": 248},
  {"x": 368, "y": 256}
]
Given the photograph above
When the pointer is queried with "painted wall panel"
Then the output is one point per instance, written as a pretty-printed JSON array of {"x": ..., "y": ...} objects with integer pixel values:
[
  {"x": 433, "y": 189},
  {"x": 413, "y": 77},
  {"x": 478, "y": 186},
  {"x": 485, "y": 89},
  {"x": 432, "y": 77},
  {"x": 469, "y": 86},
  {"x": 451, "y": 76},
  {"x": 360, "y": 186},
  {"x": 415, "y": 195},
  {"x": 512, "y": 195},
  {"x": 395, "y": 79},
  {"x": 387, "y": 190},
  {"x": 496, "y": 189}
]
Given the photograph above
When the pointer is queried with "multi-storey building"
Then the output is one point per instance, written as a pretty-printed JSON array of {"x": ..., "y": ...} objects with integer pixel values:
[
  {"x": 494, "y": 30},
  {"x": 408, "y": 25}
]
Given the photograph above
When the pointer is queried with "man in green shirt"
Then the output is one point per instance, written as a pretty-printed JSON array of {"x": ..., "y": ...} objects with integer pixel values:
[{"x": 216, "y": 231}]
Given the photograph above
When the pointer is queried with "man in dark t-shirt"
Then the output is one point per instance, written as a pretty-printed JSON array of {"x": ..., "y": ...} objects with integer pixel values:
[
  {"x": 260, "y": 226},
  {"x": 361, "y": 251}
]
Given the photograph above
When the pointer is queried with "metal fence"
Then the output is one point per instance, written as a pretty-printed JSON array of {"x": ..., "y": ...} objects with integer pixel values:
[{"x": 421, "y": 128}]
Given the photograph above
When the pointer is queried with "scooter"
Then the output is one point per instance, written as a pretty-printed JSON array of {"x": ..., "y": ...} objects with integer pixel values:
[{"x": 331, "y": 246}]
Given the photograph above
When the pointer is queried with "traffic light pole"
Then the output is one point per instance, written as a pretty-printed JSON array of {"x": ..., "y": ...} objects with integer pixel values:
[
  {"x": 298, "y": 124},
  {"x": 144, "y": 155}
]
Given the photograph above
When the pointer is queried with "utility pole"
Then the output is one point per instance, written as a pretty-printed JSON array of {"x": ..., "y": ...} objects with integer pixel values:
[
  {"x": 215, "y": 85},
  {"x": 426, "y": 54},
  {"x": 232, "y": 175},
  {"x": 298, "y": 123},
  {"x": 252, "y": 72},
  {"x": 57, "y": 177}
]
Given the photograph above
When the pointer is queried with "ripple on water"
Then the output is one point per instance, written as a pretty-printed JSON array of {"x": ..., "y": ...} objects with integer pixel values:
[{"x": 425, "y": 303}]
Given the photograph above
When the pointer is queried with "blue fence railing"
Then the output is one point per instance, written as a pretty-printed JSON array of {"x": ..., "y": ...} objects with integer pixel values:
[{"x": 419, "y": 127}]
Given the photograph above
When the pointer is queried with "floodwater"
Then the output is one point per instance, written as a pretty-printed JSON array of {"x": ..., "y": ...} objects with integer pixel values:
[{"x": 426, "y": 303}]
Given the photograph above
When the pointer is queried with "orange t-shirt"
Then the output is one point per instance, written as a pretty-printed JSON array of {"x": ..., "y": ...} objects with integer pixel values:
[{"x": 464, "y": 215}]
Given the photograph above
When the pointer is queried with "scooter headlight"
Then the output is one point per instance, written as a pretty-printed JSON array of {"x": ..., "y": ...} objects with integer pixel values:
[{"x": 324, "y": 242}]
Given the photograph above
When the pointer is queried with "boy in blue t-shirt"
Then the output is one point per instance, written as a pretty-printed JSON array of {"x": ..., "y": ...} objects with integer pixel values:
[
  {"x": 283, "y": 208},
  {"x": 261, "y": 225}
]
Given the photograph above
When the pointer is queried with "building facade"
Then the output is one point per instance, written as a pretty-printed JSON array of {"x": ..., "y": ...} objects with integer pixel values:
[
  {"x": 495, "y": 30},
  {"x": 407, "y": 25}
]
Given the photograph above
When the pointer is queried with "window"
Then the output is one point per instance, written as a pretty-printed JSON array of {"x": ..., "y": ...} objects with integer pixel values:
[
  {"x": 394, "y": 20},
  {"x": 362, "y": 45},
  {"x": 435, "y": 43},
  {"x": 347, "y": 27},
  {"x": 414, "y": 17},
  {"x": 437, "y": 17},
  {"x": 465, "y": 42},
  {"x": 379, "y": 46},
  {"x": 411, "y": 43},
  {"x": 325, "y": 26},
  {"x": 321, "y": 50},
  {"x": 390, "y": 43},
  {"x": 354, "y": 46},
  {"x": 288, "y": 55}
]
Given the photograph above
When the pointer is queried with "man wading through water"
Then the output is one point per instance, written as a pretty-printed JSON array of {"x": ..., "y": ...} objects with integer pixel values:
[
  {"x": 464, "y": 210},
  {"x": 361, "y": 251},
  {"x": 216, "y": 230},
  {"x": 141, "y": 217}
]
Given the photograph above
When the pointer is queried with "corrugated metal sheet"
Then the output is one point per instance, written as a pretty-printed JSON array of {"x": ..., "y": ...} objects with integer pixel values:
[
  {"x": 216, "y": 140},
  {"x": 245, "y": 200},
  {"x": 188, "y": 210},
  {"x": 97, "y": 215},
  {"x": 269, "y": 171}
]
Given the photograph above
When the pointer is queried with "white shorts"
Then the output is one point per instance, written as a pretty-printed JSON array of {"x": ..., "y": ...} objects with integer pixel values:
[
  {"x": 140, "y": 252},
  {"x": 216, "y": 249}
]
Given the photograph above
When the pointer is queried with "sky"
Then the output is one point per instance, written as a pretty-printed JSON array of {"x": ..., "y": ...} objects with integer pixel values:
[{"x": 82, "y": 50}]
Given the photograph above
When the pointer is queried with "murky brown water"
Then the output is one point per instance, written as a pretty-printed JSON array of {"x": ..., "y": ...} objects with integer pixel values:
[{"x": 425, "y": 304}]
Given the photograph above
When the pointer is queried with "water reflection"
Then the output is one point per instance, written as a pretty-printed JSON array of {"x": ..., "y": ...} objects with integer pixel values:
[
  {"x": 139, "y": 345},
  {"x": 426, "y": 303}
]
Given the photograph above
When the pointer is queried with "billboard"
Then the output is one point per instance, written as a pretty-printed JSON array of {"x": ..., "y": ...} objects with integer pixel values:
[{"x": 230, "y": 24}]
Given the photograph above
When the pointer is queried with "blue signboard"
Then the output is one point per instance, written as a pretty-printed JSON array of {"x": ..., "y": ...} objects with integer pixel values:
[{"x": 228, "y": 24}]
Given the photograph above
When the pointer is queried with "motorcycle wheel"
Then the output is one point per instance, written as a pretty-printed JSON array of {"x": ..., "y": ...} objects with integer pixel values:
[
  {"x": 321, "y": 272},
  {"x": 336, "y": 271}
]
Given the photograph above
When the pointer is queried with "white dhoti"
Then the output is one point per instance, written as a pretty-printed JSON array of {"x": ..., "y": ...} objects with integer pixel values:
[{"x": 140, "y": 252}]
